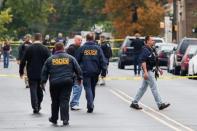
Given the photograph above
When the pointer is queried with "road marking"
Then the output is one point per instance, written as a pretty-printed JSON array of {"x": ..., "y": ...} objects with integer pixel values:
[
  {"x": 10, "y": 76},
  {"x": 140, "y": 78},
  {"x": 114, "y": 91},
  {"x": 149, "y": 114}
]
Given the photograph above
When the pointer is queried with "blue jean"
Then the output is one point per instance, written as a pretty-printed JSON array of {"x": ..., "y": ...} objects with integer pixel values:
[
  {"x": 151, "y": 81},
  {"x": 6, "y": 59},
  {"x": 76, "y": 93},
  {"x": 89, "y": 84}
]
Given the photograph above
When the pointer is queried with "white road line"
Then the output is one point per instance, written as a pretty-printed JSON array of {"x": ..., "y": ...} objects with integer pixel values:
[
  {"x": 166, "y": 117},
  {"x": 149, "y": 114}
]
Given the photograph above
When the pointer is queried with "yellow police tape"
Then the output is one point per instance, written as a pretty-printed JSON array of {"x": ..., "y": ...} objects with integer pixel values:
[
  {"x": 54, "y": 46},
  {"x": 119, "y": 78}
]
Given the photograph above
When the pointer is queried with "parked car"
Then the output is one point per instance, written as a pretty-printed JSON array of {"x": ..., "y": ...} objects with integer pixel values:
[
  {"x": 192, "y": 68},
  {"x": 164, "y": 52},
  {"x": 185, "y": 42},
  {"x": 126, "y": 50},
  {"x": 186, "y": 58},
  {"x": 158, "y": 41},
  {"x": 170, "y": 66}
]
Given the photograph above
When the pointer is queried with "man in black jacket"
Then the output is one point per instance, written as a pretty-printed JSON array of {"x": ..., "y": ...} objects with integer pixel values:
[
  {"x": 77, "y": 89},
  {"x": 61, "y": 69},
  {"x": 92, "y": 63},
  {"x": 34, "y": 59},
  {"x": 137, "y": 44},
  {"x": 21, "y": 51},
  {"x": 107, "y": 51}
]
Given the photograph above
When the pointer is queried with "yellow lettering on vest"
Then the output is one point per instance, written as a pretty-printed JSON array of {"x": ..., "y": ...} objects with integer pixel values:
[
  {"x": 90, "y": 52},
  {"x": 60, "y": 61}
]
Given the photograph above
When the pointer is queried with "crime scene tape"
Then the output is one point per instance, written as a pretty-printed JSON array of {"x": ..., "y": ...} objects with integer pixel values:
[
  {"x": 161, "y": 78},
  {"x": 120, "y": 78},
  {"x": 17, "y": 43}
]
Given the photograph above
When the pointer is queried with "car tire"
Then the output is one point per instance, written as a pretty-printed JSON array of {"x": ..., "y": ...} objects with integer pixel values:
[
  {"x": 177, "y": 70},
  {"x": 120, "y": 65},
  {"x": 183, "y": 73}
]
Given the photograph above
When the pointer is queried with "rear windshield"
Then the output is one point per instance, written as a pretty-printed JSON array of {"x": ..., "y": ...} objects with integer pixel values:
[
  {"x": 167, "y": 47},
  {"x": 158, "y": 41},
  {"x": 192, "y": 49},
  {"x": 185, "y": 44},
  {"x": 129, "y": 42}
]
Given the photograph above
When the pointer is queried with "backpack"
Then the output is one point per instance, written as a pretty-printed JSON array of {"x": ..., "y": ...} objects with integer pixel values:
[{"x": 107, "y": 51}]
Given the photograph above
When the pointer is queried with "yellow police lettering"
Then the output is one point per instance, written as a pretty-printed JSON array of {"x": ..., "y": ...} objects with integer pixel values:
[
  {"x": 60, "y": 61},
  {"x": 90, "y": 52}
]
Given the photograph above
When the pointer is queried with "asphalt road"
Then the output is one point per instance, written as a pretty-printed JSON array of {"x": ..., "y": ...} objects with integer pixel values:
[{"x": 112, "y": 112}]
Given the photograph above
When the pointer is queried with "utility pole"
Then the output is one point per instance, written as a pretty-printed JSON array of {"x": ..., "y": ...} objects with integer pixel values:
[{"x": 174, "y": 21}]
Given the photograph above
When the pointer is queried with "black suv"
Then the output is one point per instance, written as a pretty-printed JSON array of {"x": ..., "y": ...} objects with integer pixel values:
[
  {"x": 126, "y": 52},
  {"x": 182, "y": 47}
]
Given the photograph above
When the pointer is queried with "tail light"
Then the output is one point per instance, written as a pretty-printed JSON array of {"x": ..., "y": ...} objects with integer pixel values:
[
  {"x": 161, "y": 55},
  {"x": 179, "y": 56},
  {"x": 186, "y": 61},
  {"x": 125, "y": 49}
]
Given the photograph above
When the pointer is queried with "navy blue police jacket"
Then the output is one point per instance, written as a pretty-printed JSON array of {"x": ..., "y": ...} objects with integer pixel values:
[
  {"x": 91, "y": 60},
  {"x": 60, "y": 67},
  {"x": 147, "y": 55}
]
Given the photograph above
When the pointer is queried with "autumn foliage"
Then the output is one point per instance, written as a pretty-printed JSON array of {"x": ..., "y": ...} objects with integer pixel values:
[{"x": 150, "y": 14}]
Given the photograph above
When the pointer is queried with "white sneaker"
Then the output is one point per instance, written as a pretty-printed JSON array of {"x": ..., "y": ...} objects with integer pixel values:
[{"x": 76, "y": 107}]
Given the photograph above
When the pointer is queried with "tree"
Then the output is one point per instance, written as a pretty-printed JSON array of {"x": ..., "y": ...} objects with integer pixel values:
[
  {"x": 5, "y": 18},
  {"x": 75, "y": 15},
  {"x": 29, "y": 16},
  {"x": 149, "y": 12}
]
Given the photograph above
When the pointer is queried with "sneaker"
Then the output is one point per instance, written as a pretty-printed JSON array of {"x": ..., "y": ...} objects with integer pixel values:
[
  {"x": 52, "y": 121},
  {"x": 163, "y": 106},
  {"x": 102, "y": 84},
  {"x": 27, "y": 87},
  {"x": 90, "y": 110},
  {"x": 135, "y": 106},
  {"x": 75, "y": 108},
  {"x": 65, "y": 123},
  {"x": 36, "y": 111}
]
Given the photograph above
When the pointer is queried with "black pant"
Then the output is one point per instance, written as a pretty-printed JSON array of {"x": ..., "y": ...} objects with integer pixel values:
[
  {"x": 60, "y": 96},
  {"x": 136, "y": 64},
  {"x": 36, "y": 94}
]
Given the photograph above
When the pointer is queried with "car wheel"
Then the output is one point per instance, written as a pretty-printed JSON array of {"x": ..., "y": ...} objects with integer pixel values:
[
  {"x": 177, "y": 70},
  {"x": 120, "y": 65},
  {"x": 183, "y": 73},
  {"x": 168, "y": 70}
]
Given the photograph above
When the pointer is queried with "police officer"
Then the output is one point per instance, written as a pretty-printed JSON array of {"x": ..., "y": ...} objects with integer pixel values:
[
  {"x": 137, "y": 44},
  {"x": 92, "y": 62},
  {"x": 77, "y": 89},
  {"x": 61, "y": 69},
  {"x": 107, "y": 51},
  {"x": 21, "y": 51},
  {"x": 34, "y": 59},
  {"x": 147, "y": 59},
  {"x": 60, "y": 38},
  {"x": 47, "y": 41}
]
